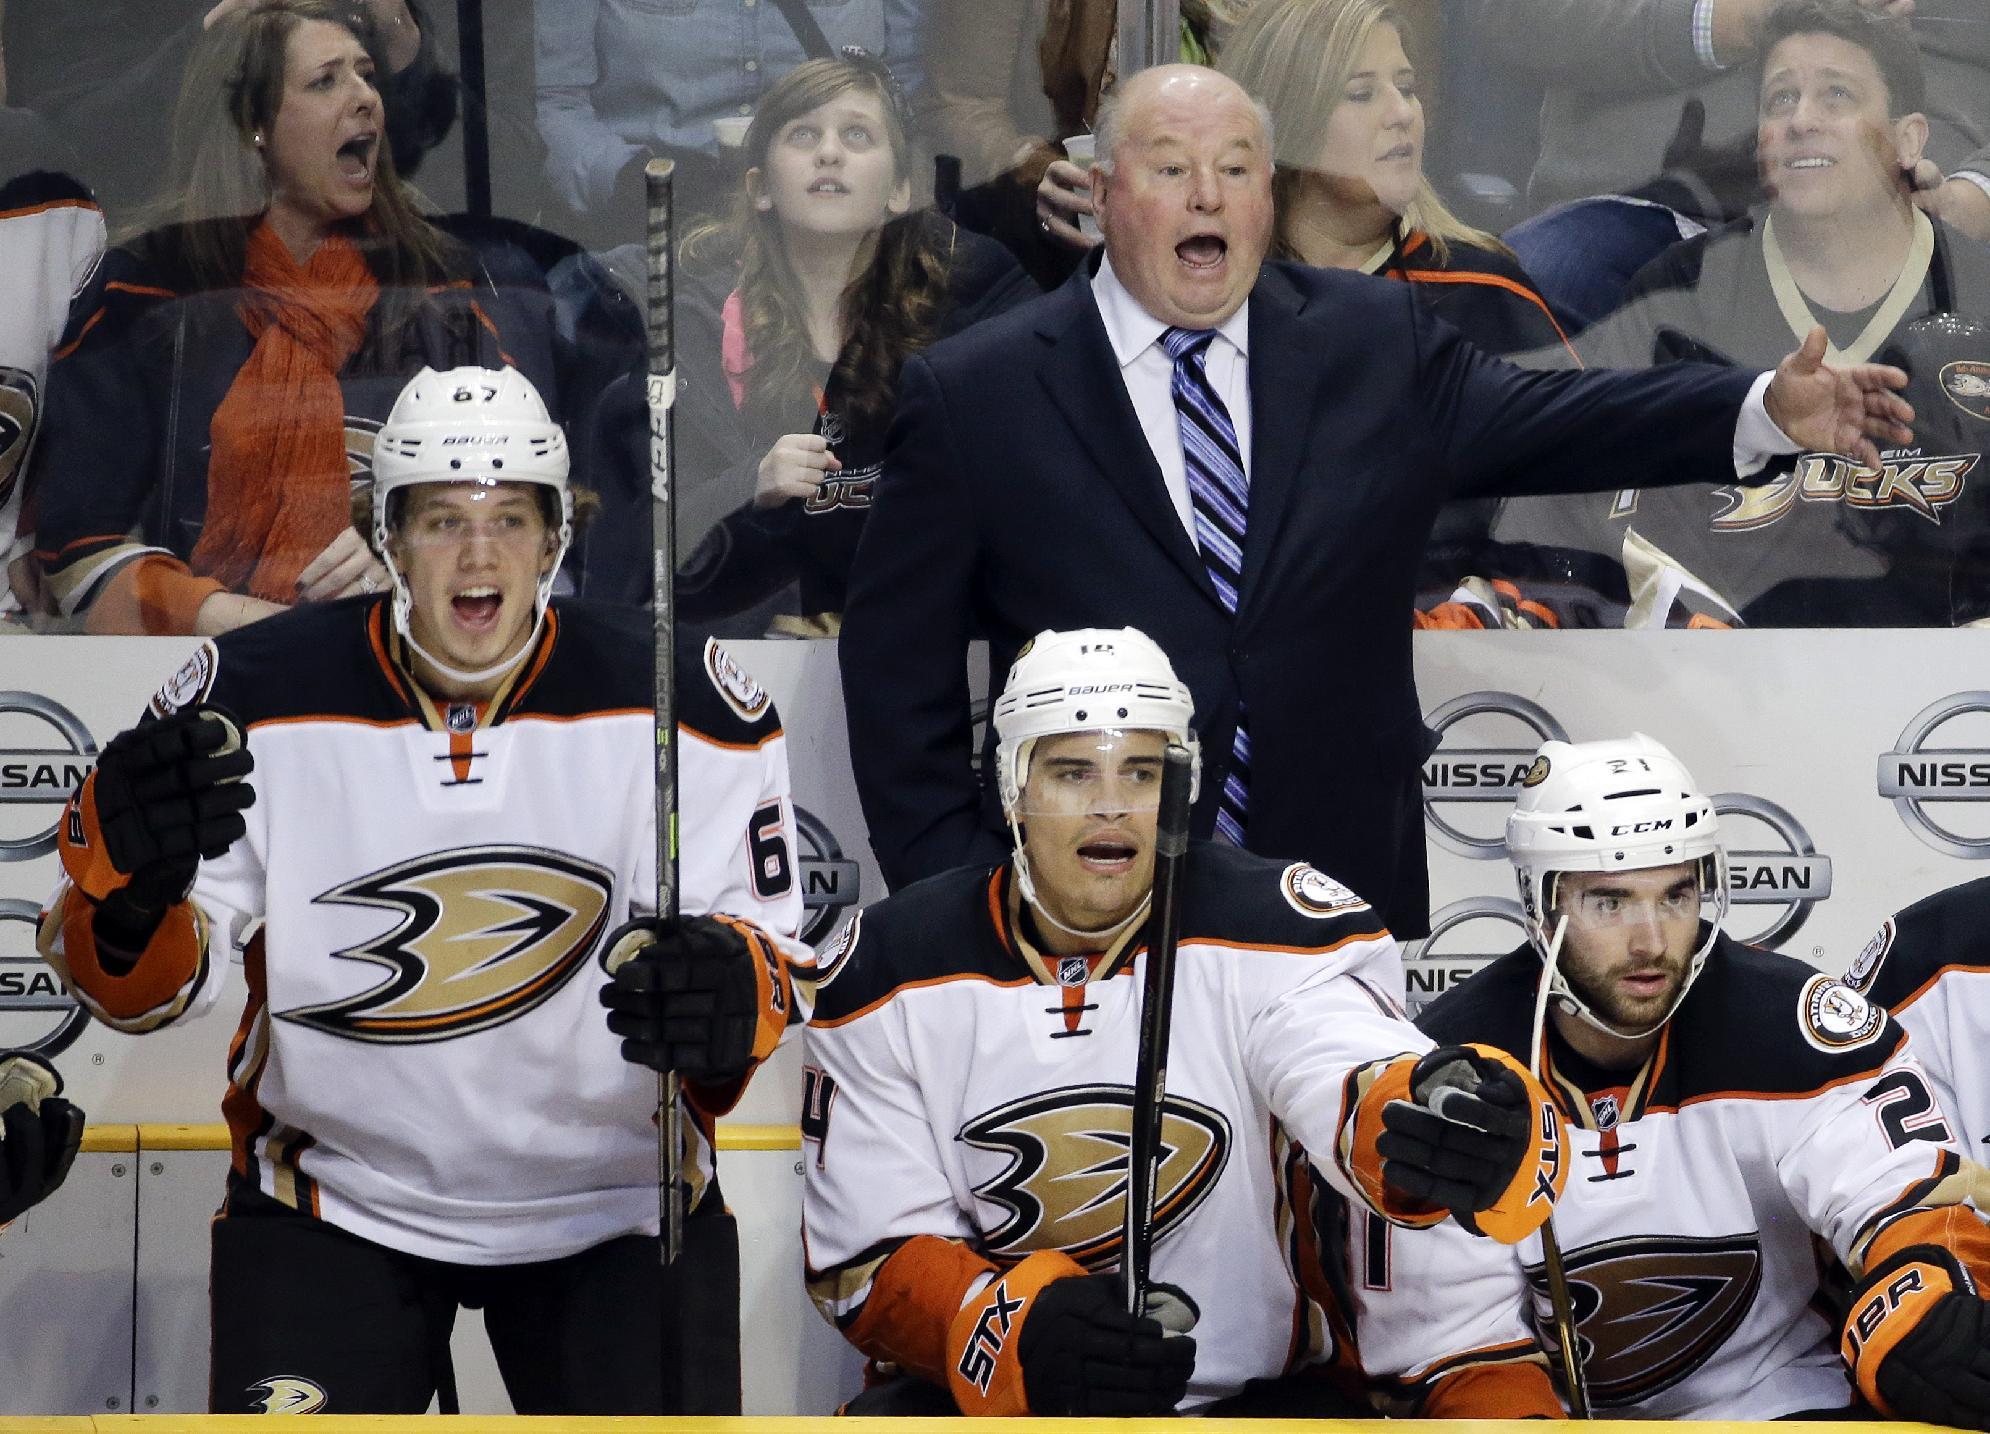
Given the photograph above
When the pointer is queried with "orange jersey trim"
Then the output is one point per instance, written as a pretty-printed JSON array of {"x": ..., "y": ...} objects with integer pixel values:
[
  {"x": 46, "y": 207},
  {"x": 896, "y": 991}
]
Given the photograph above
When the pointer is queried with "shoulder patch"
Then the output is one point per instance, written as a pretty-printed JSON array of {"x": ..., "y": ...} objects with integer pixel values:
[
  {"x": 1834, "y": 1017},
  {"x": 1859, "y": 975},
  {"x": 190, "y": 684},
  {"x": 745, "y": 696},
  {"x": 1311, "y": 892},
  {"x": 830, "y": 960}
]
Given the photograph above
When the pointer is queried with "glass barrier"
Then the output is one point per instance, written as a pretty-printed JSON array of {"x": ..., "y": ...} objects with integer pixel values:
[{"x": 1567, "y": 185}]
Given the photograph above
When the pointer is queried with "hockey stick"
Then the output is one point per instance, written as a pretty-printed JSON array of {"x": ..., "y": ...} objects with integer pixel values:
[
  {"x": 662, "y": 393},
  {"x": 1150, "y": 1077},
  {"x": 1568, "y": 1350}
]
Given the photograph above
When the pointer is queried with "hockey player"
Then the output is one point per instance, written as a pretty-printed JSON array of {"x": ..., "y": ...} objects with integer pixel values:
[
  {"x": 968, "y": 1096},
  {"x": 452, "y": 810},
  {"x": 40, "y": 1133},
  {"x": 1726, "y": 1105}
]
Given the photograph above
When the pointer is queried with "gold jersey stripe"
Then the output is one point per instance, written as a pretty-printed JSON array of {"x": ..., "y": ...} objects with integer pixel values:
[{"x": 215, "y": 1137}]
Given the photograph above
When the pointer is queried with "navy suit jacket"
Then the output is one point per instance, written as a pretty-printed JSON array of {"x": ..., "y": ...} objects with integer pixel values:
[{"x": 1019, "y": 494}]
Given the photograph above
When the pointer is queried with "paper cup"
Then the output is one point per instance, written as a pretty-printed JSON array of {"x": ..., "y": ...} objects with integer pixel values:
[{"x": 1081, "y": 149}]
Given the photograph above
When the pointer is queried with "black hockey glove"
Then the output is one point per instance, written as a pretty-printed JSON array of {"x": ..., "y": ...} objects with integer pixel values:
[
  {"x": 39, "y": 1133},
  {"x": 166, "y": 795},
  {"x": 1082, "y": 1354},
  {"x": 1470, "y": 1133},
  {"x": 685, "y": 997},
  {"x": 1918, "y": 1340}
]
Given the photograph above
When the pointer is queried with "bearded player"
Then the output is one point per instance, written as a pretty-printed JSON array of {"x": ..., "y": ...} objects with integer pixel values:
[
  {"x": 969, "y": 1097},
  {"x": 422, "y": 870},
  {"x": 1729, "y": 1109}
]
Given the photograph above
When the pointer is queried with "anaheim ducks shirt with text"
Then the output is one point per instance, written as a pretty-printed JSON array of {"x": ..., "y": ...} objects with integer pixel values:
[
  {"x": 419, "y": 907},
  {"x": 1779, "y": 1104},
  {"x": 961, "y": 1083}
]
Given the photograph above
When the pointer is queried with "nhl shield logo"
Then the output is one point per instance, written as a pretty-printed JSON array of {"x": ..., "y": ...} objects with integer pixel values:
[
  {"x": 1072, "y": 970},
  {"x": 1607, "y": 1112},
  {"x": 1967, "y": 384}
]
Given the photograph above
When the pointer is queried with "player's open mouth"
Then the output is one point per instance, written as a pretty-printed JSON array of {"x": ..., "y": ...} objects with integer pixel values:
[
  {"x": 1810, "y": 161},
  {"x": 1107, "y": 855},
  {"x": 355, "y": 157},
  {"x": 829, "y": 186},
  {"x": 1647, "y": 983},
  {"x": 1203, "y": 251},
  {"x": 477, "y": 608}
]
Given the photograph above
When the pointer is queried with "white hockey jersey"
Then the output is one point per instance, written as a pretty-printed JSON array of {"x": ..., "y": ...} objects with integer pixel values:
[
  {"x": 963, "y": 1085},
  {"x": 1930, "y": 966},
  {"x": 51, "y": 240},
  {"x": 420, "y": 905},
  {"x": 1779, "y": 1105}
]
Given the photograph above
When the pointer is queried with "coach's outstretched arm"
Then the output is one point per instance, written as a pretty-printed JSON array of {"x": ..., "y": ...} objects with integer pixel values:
[
  {"x": 121, "y": 932},
  {"x": 903, "y": 646}
]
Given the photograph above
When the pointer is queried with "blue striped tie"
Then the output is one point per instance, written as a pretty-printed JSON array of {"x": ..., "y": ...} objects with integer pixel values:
[{"x": 1220, "y": 494}]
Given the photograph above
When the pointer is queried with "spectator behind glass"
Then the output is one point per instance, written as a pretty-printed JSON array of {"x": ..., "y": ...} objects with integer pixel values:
[
  {"x": 1350, "y": 193},
  {"x": 107, "y": 75},
  {"x": 1620, "y": 74},
  {"x": 622, "y": 81},
  {"x": 1839, "y": 245},
  {"x": 222, "y": 377},
  {"x": 797, "y": 312}
]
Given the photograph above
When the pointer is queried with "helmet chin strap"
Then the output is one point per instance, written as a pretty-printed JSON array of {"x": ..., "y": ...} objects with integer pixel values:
[
  {"x": 1027, "y": 884},
  {"x": 404, "y": 606},
  {"x": 1552, "y": 981}
]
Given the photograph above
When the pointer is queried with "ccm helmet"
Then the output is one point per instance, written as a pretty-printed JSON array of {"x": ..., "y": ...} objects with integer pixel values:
[
  {"x": 1621, "y": 805},
  {"x": 469, "y": 425},
  {"x": 1087, "y": 680}
]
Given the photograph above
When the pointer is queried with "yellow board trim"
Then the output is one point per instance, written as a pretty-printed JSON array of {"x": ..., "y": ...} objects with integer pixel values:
[
  {"x": 516, "y": 1424},
  {"x": 128, "y": 1138}
]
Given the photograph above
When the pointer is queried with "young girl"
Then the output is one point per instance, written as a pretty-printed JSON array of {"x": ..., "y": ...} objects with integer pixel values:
[{"x": 799, "y": 308}]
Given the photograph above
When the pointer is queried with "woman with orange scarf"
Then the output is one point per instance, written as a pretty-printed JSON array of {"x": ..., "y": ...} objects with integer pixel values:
[{"x": 214, "y": 401}]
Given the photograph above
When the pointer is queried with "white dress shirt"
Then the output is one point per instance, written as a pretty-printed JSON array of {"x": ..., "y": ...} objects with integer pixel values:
[{"x": 1149, "y": 373}]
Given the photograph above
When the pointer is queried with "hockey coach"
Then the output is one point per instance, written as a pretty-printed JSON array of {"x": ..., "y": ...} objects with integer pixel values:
[{"x": 1243, "y": 460}]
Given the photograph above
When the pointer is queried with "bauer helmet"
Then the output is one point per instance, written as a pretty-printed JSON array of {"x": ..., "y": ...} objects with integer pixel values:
[
  {"x": 1621, "y": 805},
  {"x": 470, "y": 425},
  {"x": 1093, "y": 679}
]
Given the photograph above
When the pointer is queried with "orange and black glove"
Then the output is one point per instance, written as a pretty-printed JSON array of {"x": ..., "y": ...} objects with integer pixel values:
[
  {"x": 1045, "y": 1338},
  {"x": 1480, "y": 1138},
  {"x": 1917, "y": 1340},
  {"x": 704, "y": 996},
  {"x": 165, "y": 795}
]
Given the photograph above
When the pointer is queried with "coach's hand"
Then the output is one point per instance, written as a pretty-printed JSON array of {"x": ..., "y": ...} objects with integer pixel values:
[
  {"x": 39, "y": 1132},
  {"x": 1850, "y": 410},
  {"x": 685, "y": 996},
  {"x": 1479, "y": 1139}
]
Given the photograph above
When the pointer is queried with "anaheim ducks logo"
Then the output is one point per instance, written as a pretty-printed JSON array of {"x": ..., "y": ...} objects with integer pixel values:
[
  {"x": 486, "y": 934},
  {"x": 1968, "y": 386},
  {"x": 285, "y": 1394},
  {"x": 1922, "y": 486},
  {"x": 1651, "y": 1310},
  {"x": 1065, "y": 1188},
  {"x": 18, "y": 406}
]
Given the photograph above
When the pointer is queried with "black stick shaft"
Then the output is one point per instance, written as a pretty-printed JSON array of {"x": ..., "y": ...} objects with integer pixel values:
[
  {"x": 663, "y": 548},
  {"x": 1150, "y": 1080}
]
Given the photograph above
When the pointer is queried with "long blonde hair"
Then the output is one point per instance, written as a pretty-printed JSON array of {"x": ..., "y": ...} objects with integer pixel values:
[{"x": 1296, "y": 56}]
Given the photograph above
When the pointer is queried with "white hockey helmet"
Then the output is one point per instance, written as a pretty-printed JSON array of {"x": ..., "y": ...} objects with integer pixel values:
[
  {"x": 1626, "y": 804},
  {"x": 1091, "y": 679},
  {"x": 1086, "y": 680},
  {"x": 469, "y": 425}
]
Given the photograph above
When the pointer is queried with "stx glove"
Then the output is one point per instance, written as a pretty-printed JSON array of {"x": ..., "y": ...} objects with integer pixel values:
[
  {"x": 39, "y": 1133},
  {"x": 1083, "y": 1354},
  {"x": 704, "y": 996},
  {"x": 165, "y": 794},
  {"x": 1917, "y": 1340},
  {"x": 1479, "y": 1138},
  {"x": 1047, "y": 1338}
]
